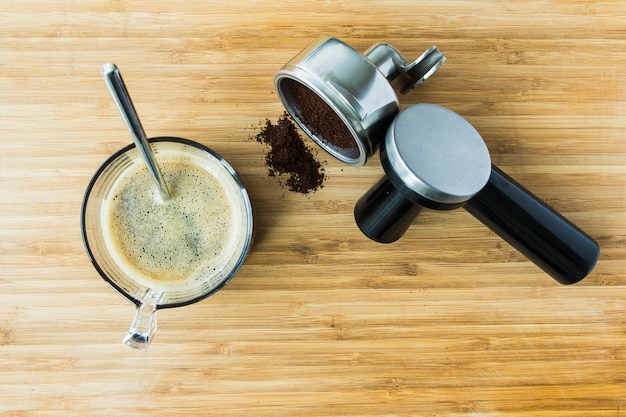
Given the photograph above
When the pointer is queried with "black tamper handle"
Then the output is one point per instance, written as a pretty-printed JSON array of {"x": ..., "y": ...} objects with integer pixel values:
[
  {"x": 383, "y": 213},
  {"x": 533, "y": 228}
]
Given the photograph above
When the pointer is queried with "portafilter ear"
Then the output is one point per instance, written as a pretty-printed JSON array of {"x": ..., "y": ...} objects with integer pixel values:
[
  {"x": 344, "y": 100},
  {"x": 434, "y": 158}
]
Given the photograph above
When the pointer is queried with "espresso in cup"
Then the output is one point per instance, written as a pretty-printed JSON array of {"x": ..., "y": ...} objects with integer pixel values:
[
  {"x": 166, "y": 253},
  {"x": 176, "y": 244}
]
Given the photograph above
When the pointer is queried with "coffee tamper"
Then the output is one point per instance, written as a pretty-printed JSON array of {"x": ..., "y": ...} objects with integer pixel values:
[
  {"x": 434, "y": 158},
  {"x": 352, "y": 88}
]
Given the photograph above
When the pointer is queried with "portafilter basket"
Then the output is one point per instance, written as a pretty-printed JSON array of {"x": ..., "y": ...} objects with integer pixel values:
[{"x": 353, "y": 89}]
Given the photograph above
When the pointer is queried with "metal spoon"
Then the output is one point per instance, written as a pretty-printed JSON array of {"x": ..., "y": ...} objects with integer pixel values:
[{"x": 117, "y": 88}]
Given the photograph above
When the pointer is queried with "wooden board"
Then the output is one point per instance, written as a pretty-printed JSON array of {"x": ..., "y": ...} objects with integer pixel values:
[{"x": 320, "y": 321}]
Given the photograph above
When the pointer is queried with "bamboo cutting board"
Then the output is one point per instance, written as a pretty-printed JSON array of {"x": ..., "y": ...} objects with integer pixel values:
[{"x": 319, "y": 321}]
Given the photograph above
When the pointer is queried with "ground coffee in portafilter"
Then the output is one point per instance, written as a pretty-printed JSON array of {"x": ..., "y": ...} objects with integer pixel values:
[
  {"x": 320, "y": 118},
  {"x": 288, "y": 155}
]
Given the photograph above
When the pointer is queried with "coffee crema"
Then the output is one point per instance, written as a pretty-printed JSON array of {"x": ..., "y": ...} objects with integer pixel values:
[{"x": 181, "y": 243}]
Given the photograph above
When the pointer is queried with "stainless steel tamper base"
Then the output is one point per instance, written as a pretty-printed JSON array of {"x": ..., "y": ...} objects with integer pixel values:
[
  {"x": 356, "y": 87},
  {"x": 436, "y": 155},
  {"x": 433, "y": 158}
]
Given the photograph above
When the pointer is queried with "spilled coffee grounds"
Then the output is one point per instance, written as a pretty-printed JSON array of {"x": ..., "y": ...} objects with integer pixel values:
[{"x": 289, "y": 156}]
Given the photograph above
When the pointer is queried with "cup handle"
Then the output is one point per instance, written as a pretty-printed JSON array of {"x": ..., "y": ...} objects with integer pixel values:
[{"x": 144, "y": 324}]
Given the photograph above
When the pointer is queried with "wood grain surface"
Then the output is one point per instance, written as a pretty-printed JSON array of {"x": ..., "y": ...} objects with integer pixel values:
[{"x": 320, "y": 321}]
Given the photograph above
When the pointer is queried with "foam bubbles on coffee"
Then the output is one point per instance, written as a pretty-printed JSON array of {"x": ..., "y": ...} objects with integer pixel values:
[{"x": 183, "y": 242}]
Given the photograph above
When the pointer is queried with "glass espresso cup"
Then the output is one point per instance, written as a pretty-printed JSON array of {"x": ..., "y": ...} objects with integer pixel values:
[{"x": 166, "y": 254}]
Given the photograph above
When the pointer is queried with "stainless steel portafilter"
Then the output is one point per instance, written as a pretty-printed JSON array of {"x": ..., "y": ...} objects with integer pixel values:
[
  {"x": 344, "y": 100},
  {"x": 434, "y": 158}
]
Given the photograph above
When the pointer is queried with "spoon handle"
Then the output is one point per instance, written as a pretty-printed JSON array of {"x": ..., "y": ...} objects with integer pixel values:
[{"x": 117, "y": 88}]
